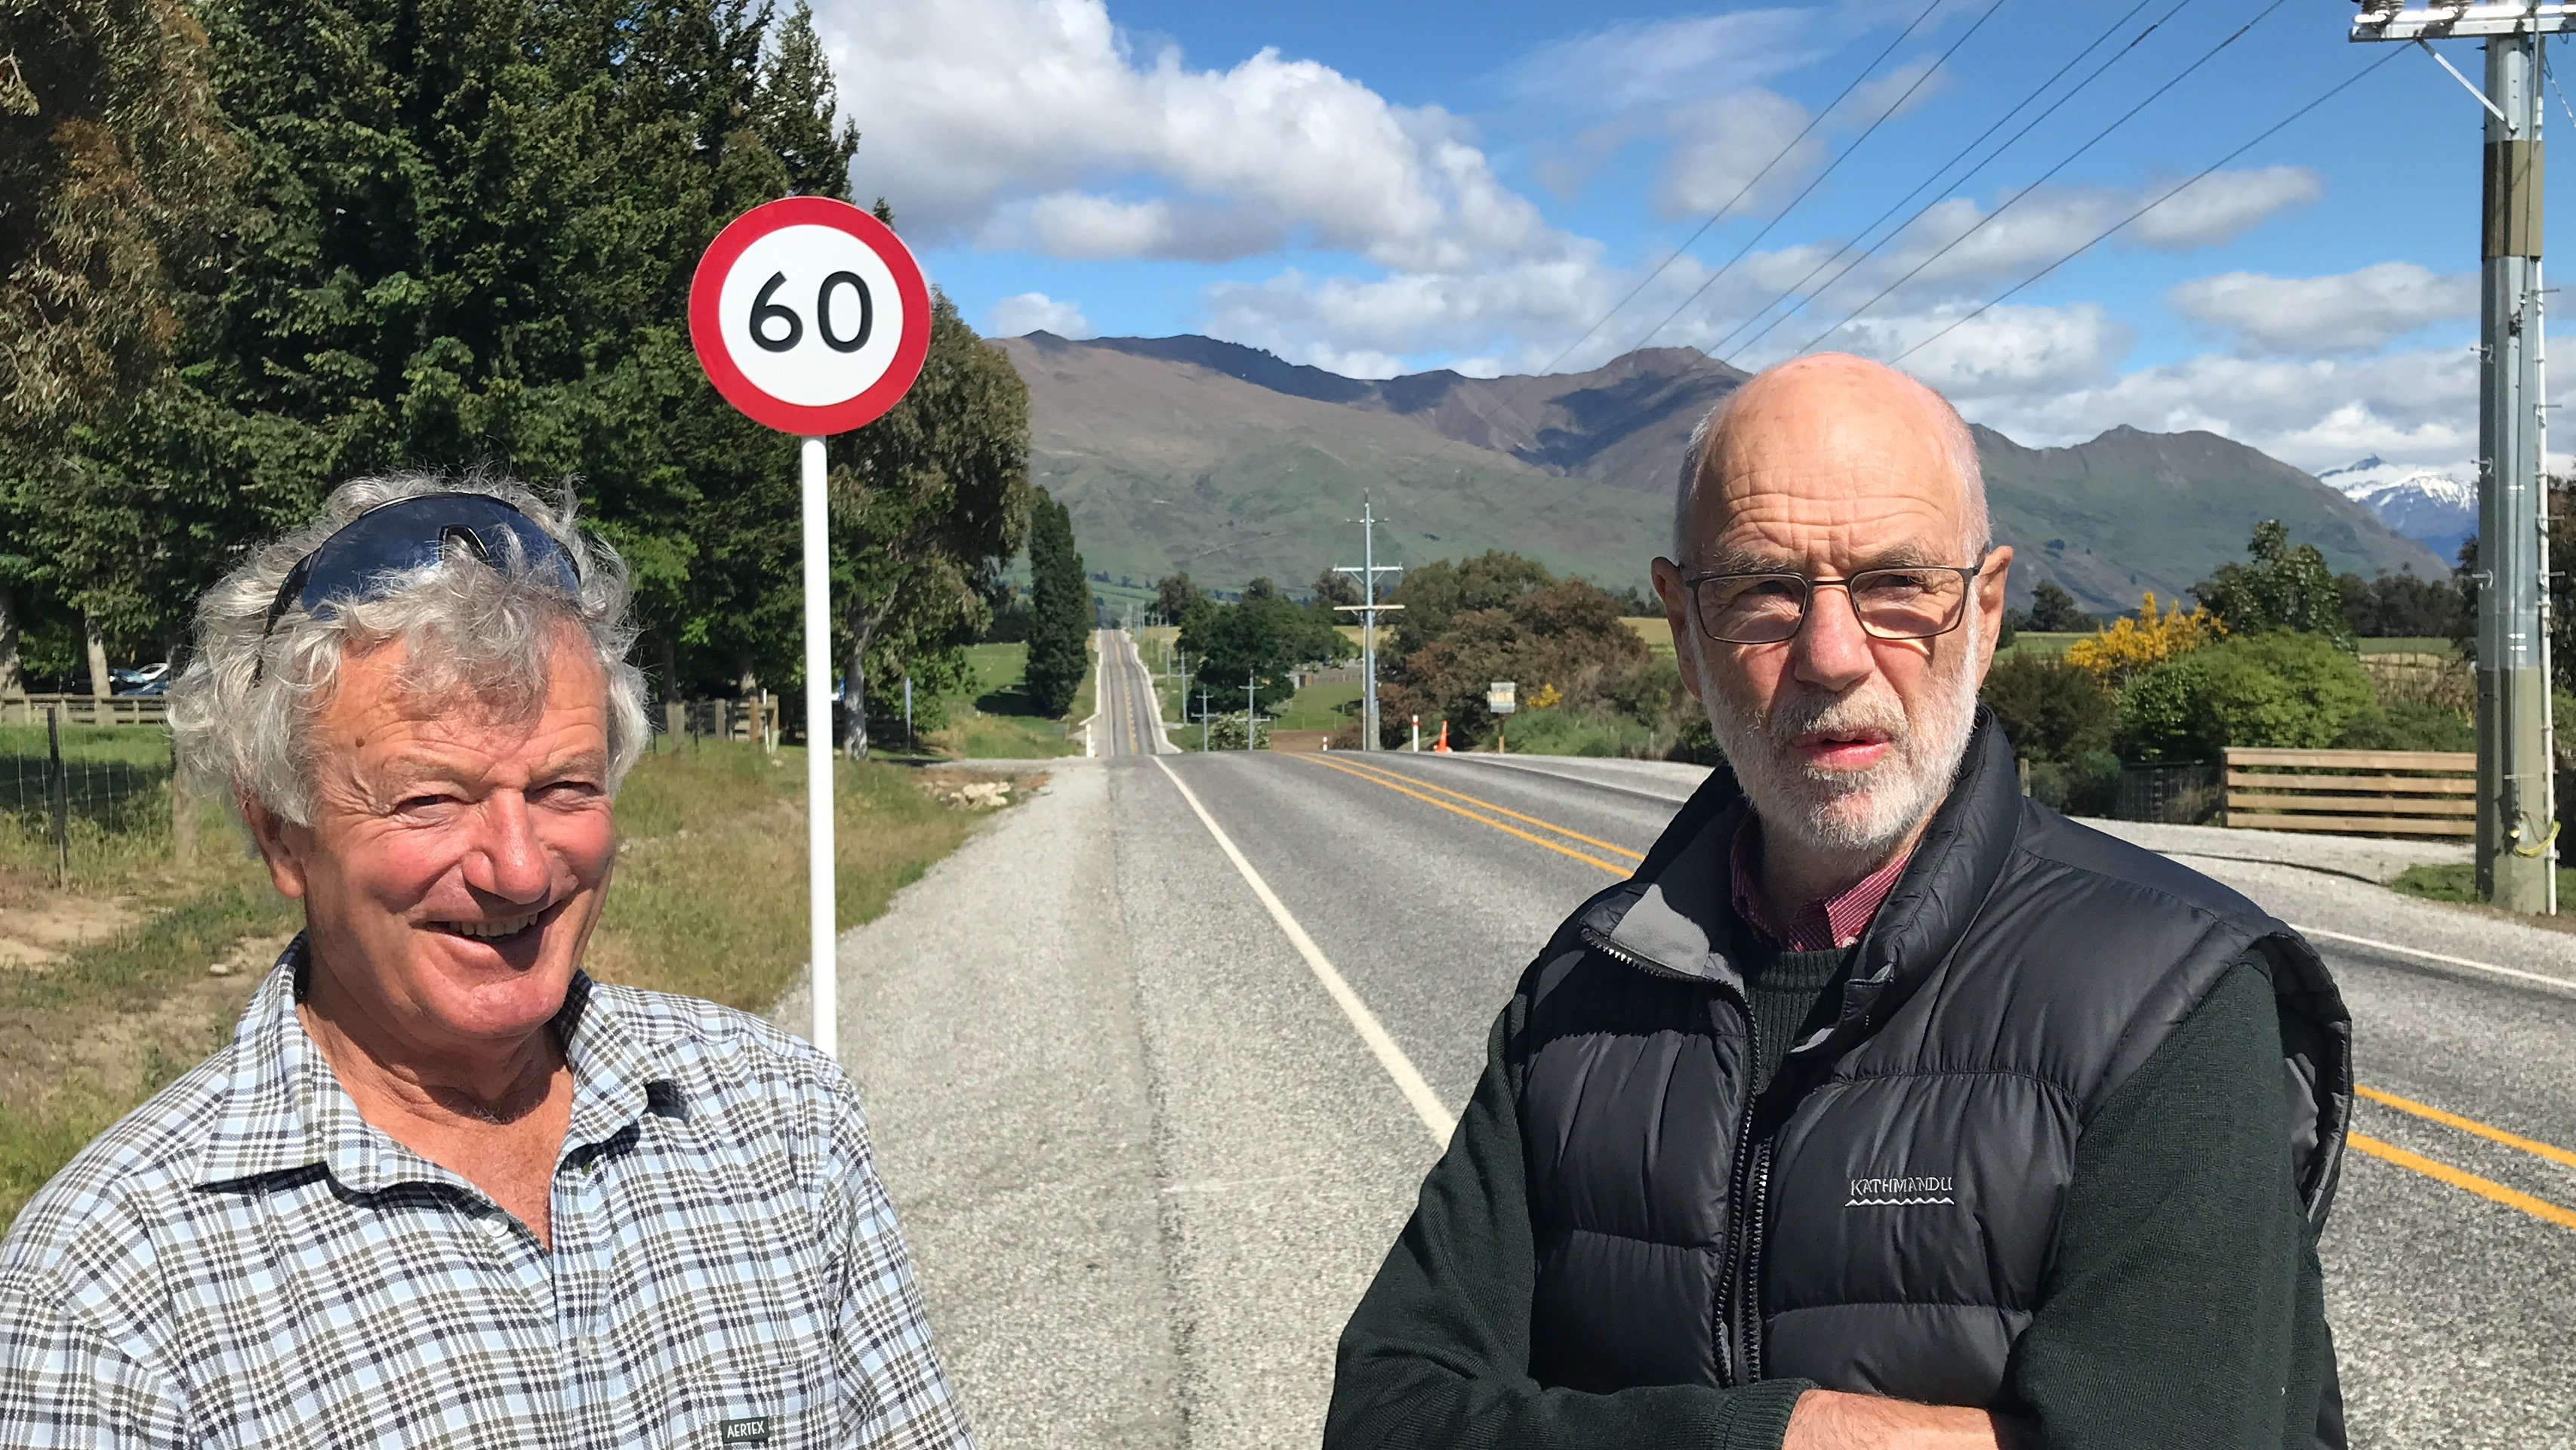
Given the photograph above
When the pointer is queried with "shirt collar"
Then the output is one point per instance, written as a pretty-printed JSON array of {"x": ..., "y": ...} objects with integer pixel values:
[
  {"x": 285, "y": 1109},
  {"x": 1823, "y": 925}
]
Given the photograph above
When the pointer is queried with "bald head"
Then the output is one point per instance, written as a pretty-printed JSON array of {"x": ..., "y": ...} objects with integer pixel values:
[{"x": 1823, "y": 425}]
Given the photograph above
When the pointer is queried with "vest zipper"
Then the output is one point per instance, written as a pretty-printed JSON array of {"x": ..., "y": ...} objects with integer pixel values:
[
  {"x": 1749, "y": 1289},
  {"x": 1737, "y": 1334},
  {"x": 1736, "y": 1348}
]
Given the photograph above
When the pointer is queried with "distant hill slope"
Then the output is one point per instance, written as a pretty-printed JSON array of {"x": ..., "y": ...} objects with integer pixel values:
[{"x": 1229, "y": 462}]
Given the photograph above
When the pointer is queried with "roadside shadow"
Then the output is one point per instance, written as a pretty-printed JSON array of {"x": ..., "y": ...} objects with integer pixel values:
[{"x": 1010, "y": 700}]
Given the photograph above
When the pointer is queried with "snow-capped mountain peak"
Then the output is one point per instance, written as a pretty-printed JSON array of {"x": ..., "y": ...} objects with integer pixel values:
[{"x": 2433, "y": 506}]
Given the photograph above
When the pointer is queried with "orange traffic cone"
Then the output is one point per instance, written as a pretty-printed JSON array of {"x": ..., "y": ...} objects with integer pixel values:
[{"x": 1441, "y": 745}]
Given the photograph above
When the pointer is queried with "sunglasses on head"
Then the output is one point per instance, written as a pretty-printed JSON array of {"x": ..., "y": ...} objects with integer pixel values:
[{"x": 371, "y": 553}]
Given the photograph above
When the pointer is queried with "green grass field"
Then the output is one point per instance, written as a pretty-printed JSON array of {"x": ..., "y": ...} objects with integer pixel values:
[
  {"x": 994, "y": 719},
  {"x": 103, "y": 744},
  {"x": 1319, "y": 707}
]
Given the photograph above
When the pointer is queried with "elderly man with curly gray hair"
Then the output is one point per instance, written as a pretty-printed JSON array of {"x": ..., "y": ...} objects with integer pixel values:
[{"x": 442, "y": 1188}]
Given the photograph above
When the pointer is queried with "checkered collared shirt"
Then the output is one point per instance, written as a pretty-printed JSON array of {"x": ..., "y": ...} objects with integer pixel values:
[{"x": 244, "y": 1261}]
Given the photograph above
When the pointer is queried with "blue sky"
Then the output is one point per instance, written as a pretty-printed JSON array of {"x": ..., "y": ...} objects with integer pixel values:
[{"x": 1390, "y": 187}]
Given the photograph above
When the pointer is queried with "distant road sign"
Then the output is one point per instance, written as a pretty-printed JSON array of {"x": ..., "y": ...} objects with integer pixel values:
[
  {"x": 1499, "y": 697},
  {"x": 809, "y": 316}
]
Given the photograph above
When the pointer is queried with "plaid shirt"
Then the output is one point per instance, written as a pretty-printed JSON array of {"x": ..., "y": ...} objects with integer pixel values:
[
  {"x": 1818, "y": 926},
  {"x": 244, "y": 1261}
]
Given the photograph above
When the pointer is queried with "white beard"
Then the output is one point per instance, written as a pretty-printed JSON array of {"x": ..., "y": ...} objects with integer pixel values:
[{"x": 1863, "y": 814}]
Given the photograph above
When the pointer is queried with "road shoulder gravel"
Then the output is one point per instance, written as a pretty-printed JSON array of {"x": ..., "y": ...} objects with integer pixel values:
[{"x": 989, "y": 1018}]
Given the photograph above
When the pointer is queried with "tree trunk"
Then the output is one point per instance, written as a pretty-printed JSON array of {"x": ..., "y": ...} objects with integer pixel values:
[
  {"x": 12, "y": 682},
  {"x": 854, "y": 734},
  {"x": 97, "y": 642},
  {"x": 671, "y": 724}
]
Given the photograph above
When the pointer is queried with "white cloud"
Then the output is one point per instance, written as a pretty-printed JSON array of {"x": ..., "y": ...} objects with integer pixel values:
[
  {"x": 1721, "y": 145},
  {"x": 2223, "y": 206},
  {"x": 2414, "y": 407},
  {"x": 1908, "y": 87},
  {"x": 2002, "y": 352},
  {"x": 1013, "y": 121},
  {"x": 1036, "y": 312},
  {"x": 2049, "y": 223},
  {"x": 2310, "y": 316},
  {"x": 1640, "y": 64}
]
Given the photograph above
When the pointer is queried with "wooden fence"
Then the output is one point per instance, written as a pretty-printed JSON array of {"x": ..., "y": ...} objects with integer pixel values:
[
  {"x": 749, "y": 718},
  {"x": 2355, "y": 792},
  {"x": 85, "y": 709}
]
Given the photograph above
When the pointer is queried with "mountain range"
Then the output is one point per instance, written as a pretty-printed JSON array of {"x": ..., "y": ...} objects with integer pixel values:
[
  {"x": 1191, "y": 453},
  {"x": 2434, "y": 508}
]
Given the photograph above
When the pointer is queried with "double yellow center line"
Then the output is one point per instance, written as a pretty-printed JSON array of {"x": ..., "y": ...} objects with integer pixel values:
[
  {"x": 1423, "y": 790},
  {"x": 1622, "y": 861}
]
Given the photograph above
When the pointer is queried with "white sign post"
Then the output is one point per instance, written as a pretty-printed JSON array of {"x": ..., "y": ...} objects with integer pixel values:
[
  {"x": 1500, "y": 700},
  {"x": 812, "y": 318}
]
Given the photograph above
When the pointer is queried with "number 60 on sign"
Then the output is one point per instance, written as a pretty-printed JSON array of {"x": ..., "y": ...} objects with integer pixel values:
[{"x": 810, "y": 316}]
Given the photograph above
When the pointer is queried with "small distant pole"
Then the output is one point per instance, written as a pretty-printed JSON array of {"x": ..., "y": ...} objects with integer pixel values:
[
  {"x": 183, "y": 816},
  {"x": 1203, "y": 719},
  {"x": 1251, "y": 707},
  {"x": 1368, "y": 609},
  {"x": 907, "y": 712},
  {"x": 62, "y": 794},
  {"x": 1417, "y": 735}
]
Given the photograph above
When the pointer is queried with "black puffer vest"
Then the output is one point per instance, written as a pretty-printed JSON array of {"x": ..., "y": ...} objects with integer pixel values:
[{"x": 1881, "y": 1221}]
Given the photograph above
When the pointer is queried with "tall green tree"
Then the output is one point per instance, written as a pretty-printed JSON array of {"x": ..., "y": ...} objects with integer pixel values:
[
  {"x": 2280, "y": 587},
  {"x": 1260, "y": 642},
  {"x": 1176, "y": 598},
  {"x": 932, "y": 506},
  {"x": 2054, "y": 611},
  {"x": 1434, "y": 594},
  {"x": 1059, "y": 606},
  {"x": 115, "y": 173}
]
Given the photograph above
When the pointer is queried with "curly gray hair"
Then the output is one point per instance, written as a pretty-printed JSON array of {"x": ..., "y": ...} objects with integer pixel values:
[{"x": 241, "y": 711}]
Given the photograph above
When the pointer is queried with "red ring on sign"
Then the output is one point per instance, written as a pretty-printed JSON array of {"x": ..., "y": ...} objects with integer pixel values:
[{"x": 706, "y": 291}]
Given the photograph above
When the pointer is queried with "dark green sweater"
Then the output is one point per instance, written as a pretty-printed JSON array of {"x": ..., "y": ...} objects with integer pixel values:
[{"x": 2184, "y": 1306}]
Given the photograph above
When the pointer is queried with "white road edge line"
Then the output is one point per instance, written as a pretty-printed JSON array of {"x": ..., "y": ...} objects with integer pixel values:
[
  {"x": 2561, "y": 983},
  {"x": 1408, "y": 1079}
]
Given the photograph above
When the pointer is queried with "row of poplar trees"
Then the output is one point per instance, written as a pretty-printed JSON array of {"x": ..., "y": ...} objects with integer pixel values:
[{"x": 252, "y": 248}]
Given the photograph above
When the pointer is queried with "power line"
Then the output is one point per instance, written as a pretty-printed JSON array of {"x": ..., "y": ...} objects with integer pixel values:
[
  {"x": 2097, "y": 138},
  {"x": 2169, "y": 195},
  {"x": 1819, "y": 178},
  {"x": 1688, "y": 242},
  {"x": 1795, "y": 288}
]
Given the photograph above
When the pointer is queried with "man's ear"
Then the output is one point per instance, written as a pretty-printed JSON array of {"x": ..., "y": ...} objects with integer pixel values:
[
  {"x": 281, "y": 843},
  {"x": 1990, "y": 606},
  {"x": 1677, "y": 611}
]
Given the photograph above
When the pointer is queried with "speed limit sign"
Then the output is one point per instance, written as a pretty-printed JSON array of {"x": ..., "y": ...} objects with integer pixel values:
[{"x": 810, "y": 316}]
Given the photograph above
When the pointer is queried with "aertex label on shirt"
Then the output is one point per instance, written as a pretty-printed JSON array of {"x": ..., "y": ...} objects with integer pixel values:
[{"x": 753, "y": 1430}]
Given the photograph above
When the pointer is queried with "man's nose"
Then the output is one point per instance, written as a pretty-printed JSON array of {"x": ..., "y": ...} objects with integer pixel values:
[
  {"x": 1832, "y": 650},
  {"x": 508, "y": 860}
]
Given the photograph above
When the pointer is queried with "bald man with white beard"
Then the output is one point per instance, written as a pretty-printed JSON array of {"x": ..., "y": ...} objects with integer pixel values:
[{"x": 1882, "y": 1107}]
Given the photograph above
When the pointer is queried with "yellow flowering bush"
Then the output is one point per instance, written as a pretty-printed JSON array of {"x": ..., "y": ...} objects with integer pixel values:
[
  {"x": 2149, "y": 637},
  {"x": 1546, "y": 697}
]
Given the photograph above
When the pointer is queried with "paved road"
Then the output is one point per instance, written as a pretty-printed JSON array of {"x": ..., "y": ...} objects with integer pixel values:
[
  {"x": 1147, "y": 1141},
  {"x": 1128, "y": 709}
]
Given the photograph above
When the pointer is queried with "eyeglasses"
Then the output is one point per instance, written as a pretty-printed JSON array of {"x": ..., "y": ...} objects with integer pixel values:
[
  {"x": 1910, "y": 601},
  {"x": 370, "y": 553}
]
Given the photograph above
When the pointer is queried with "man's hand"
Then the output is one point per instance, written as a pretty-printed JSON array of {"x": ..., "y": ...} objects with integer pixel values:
[{"x": 1832, "y": 1420}]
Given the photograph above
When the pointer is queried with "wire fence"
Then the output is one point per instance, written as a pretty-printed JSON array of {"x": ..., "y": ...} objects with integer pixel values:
[
  {"x": 2183, "y": 795},
  {"x": 110, "y": 795}
]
